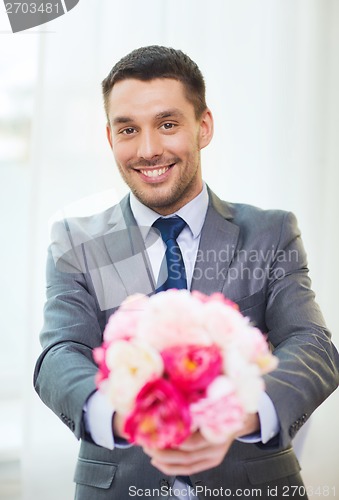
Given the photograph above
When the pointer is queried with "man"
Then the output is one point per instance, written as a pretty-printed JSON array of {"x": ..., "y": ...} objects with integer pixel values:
[{"x": 157, "y": 123}]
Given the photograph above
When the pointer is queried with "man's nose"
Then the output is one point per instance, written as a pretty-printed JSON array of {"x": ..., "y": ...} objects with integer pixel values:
[{"x": 150, "y": 145}]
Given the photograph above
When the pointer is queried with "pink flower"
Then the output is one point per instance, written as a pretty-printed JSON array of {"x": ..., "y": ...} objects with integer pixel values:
[
  {"x": 99, "y": 356},
  {"x": 123, "y": 324},
  {"x": 223, "y": 323},
  {"x": 260, "y": 352},
  {"x": 220, "y": 414},
  {"x": 191, "y": 368},
  {"x": 173, "y": 318},
  {"x": 252, "y": 348},
  {"x": 160, "y": 417}
]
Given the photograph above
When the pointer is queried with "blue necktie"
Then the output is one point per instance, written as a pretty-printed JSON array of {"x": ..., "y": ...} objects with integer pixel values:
[{"x": 170, "y": 229}]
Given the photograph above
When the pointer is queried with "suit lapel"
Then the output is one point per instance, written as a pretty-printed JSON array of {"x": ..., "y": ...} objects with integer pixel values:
[
  {"x": 125, "y": 245},
  {"x": 218, "y": 242}
]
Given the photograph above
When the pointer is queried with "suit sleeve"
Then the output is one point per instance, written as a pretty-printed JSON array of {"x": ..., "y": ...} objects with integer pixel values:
[
  {"x": 308, "y": 362},
  {"x": 64, "y": 373}
]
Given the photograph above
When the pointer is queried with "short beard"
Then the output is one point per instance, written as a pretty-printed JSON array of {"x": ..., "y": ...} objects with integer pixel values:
[{"x": 180, "y": 193}]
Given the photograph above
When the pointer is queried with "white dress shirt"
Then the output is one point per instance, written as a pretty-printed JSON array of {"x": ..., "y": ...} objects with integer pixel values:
[{"x": 98, "y": 411}]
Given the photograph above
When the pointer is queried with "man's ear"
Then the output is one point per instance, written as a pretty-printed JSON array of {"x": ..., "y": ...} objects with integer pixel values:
[
  {"x": 109, "y": 134},
  {"x": 206, "y": 128}
]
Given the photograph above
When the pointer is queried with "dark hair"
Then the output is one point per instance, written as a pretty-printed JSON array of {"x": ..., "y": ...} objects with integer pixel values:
[{"x": 155, "y": 61}]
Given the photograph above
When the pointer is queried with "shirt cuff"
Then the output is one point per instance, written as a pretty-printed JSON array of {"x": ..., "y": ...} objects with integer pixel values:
[
  {"x": 98, "y": 415},
  {"x": 269, "y": 423}
]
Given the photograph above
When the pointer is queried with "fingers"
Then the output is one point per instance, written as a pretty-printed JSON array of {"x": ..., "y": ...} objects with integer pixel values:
[
  {"x": 195, "y": 455},
  {"x": 195, "y": 442},
  {"x": 251, "y": 425},
  {"x": 182, "y": 457},
  {"x": 118, "y": 425},
  {"x": 177, "y": 470}
]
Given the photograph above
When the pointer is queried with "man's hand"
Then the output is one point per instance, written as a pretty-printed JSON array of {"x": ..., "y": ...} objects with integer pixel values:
[
  {"x": 118, "y": 425},
  {"x": 192, "y": 456},
  {"x": 196, "y": 454}
]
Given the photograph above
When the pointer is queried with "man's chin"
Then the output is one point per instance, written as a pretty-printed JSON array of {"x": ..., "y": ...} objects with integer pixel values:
[{"x": 159, "y": 202}]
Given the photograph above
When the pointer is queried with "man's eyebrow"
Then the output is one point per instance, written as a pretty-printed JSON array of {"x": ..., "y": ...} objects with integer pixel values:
[
  {"x": 169, "y": 113},
  {"x": 121, "y": 120}
]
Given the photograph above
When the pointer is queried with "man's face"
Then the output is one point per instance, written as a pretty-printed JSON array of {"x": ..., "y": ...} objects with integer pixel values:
[{"x": 156, "y": 141}]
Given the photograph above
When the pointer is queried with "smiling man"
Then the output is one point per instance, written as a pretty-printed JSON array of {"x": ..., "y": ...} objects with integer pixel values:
[{"x": 157, "y": 124}]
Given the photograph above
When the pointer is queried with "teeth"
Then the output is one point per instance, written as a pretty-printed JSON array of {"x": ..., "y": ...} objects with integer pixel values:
[{"x": 155, "y": 172}]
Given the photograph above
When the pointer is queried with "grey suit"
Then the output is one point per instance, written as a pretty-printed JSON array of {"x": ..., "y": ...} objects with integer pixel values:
[{"x": 252, "y": 256}]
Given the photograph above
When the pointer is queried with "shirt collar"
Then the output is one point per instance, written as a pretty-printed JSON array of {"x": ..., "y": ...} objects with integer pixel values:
[{"x": 193, "y": 213}]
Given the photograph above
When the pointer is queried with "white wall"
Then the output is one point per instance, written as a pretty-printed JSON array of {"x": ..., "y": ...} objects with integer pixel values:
[{"x": 272, "y": 73}]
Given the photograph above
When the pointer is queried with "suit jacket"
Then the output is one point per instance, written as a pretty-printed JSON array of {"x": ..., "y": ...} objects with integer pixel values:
[{"x": 254, "y": 257}]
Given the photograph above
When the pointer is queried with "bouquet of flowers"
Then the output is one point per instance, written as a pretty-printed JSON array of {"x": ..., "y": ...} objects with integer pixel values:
[{"x": 177, "y": 362}]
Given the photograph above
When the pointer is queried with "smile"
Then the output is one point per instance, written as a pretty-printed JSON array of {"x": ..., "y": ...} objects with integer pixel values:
[{"x": 155, "y": 172}]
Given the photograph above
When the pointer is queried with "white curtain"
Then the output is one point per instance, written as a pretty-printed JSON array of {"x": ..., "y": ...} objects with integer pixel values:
[{"x": 272, "y": 74}]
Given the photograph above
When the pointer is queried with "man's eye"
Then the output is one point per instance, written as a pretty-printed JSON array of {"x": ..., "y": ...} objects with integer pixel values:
[
  {"x": 128, "y": 131},
  {"x": 168, "y": 126}
]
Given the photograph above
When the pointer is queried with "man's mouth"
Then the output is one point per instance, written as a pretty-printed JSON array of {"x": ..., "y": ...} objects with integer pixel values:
[{"x": 155, "y": 172}]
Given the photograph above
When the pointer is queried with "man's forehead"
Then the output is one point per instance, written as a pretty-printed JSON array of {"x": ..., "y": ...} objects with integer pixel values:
[
  {"x": 159, "y": 97},
  {"x": 159, "y": 81}
]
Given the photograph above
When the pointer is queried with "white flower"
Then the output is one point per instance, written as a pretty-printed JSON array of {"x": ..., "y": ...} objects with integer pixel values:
[
  {"x": 132, "y": 365},
  {"x": 246, "y": 378}
]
